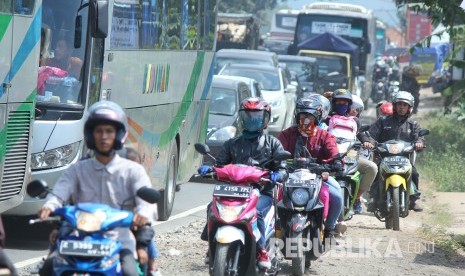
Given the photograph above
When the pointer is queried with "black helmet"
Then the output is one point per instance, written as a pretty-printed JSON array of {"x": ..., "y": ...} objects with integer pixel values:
[
  {"x": 106, "y": 112},
  {"x": 309, "y": 105},
  {"x": 255, "y": 114},
  {"x": 341, "y": 94}
]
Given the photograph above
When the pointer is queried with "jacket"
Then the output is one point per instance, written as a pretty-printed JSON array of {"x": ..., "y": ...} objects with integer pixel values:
[
  {"x": 322, "y": 146},
  {"x": 393, "y": 128},
  {"x": 240, "y": 150}
]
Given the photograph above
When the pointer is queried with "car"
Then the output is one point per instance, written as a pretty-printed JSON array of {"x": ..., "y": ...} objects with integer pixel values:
[
  {"x": 253, "y": 85},
  {"x": 277, "y": 46},
  {"x": 223, "y": 118},
  {"x": 305, "y": 70},
  {"x": 275, "y": 91},
  {"x": 232, "y": 56}
]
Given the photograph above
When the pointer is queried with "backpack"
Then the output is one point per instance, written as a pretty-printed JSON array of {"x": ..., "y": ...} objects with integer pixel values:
[{"x": 342, "y": 127}]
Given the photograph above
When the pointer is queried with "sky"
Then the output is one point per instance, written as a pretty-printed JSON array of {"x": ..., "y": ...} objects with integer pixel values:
[{"x": 385, "y": 10}]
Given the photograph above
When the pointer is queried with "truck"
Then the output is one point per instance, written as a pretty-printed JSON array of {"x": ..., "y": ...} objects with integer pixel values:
[
  {"x": 336, "y": 58},
  {"x": 237, "y": 31},
  {"x": 430, "y": 60},
  {"x": 419, "y": 26}
]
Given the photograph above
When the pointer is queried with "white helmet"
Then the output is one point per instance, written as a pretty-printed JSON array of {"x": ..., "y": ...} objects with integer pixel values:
[{"x": 357, "y": 104}]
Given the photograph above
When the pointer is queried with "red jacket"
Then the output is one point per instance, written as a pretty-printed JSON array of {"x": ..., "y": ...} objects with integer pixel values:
[{"x": 321, "y": 146}]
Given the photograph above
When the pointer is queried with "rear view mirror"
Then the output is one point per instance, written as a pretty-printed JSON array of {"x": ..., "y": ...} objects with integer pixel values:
[
  {"x": 148, "y": 194},
  {"x": 37, "y": 189},
  {"x": 98, "y": 13},
  {"x": 202, "y": 148}
]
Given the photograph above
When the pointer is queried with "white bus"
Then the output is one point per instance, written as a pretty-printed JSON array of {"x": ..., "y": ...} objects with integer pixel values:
[
  {"x": 283, "y": 25},
  {"x": 18, "y": 55},
  {"x": 152, "y": 57},
  {"x": 352, "y": 22}
]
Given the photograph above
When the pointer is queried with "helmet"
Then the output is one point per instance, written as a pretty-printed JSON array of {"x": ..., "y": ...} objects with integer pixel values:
[
  {"x": 255, "y": 114},
  {"x": 325, "y": 102},
  {"x": 106, "y": 112},
  {"x": 309, "y": 105},
  {"x": 405, "y": 97},
  {"x": 385, "y": 108},
  {"x": 341, "y": 94},
  {"x": 357, "y": 104}
]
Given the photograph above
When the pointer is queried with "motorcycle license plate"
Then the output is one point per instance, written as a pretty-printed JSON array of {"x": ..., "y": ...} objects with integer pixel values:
[
  {"x": 232, "y": 191},
  {"x": 83, "y": 248},
  {"x": 395, "y": 160},
  {"x": 300, "y": 183}
]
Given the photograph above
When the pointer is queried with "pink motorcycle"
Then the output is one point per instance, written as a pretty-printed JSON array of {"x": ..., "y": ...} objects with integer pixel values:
[{"x": 232, "y": 219}]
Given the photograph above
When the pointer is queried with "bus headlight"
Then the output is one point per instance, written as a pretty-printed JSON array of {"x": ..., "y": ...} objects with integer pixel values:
[
  {"x": 54, "y": 158},
  {"x": 223, "y": 134}
]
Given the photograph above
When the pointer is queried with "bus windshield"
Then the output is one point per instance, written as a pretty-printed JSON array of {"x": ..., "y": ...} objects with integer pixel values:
[
  {"x": 328, "y": 65},
  {"x": 311, "y": 25},
  {"x": 60, "y": 66}
]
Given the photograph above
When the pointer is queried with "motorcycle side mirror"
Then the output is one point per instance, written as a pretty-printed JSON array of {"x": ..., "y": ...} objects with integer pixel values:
[
  {"x": 423, "y": 132},
  {"x": 148, "y": 194},
  {"x": 202, "y": 148},
  {"x": 37, "y": 188}
]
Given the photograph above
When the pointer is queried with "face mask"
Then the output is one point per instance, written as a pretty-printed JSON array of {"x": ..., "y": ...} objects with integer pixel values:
[
  {"x": 341, "y": 109},
  {"x": 306, "y": 127},
  {"x": 252, "y": 124}
]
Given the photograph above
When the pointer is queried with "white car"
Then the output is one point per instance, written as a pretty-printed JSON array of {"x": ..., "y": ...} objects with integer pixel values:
[{"x": 274, "y": 89}]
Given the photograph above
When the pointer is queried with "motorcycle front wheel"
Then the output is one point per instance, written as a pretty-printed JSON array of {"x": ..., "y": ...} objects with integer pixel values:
[
  {"x": 224, "y": 258},
  {"x": 298, "y": 262}
]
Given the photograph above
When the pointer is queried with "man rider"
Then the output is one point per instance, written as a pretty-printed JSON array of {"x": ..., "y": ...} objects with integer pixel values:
[
  {"x": 396, "y": 127},
  {"x": 105, "y": 178},
  {"x": 253, "y": 145},
  {"x": 306, "y": 139}
]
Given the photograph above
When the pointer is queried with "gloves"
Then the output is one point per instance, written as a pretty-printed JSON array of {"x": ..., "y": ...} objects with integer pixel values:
[
  {"x": 337, "y": 166},
  {"x": 276, "y": 177},
  {"x": 204, "y": 169}
]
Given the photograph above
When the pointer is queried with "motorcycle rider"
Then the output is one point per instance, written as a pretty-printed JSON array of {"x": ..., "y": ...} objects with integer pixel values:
[
  {"x": 253, "y": 145},
  {"x": 410, "y": 83},
  {"x": 367, "y": 168},
  {"x": 306, "y": 137},
  {"x": 105, "y": 178},
  {"x": 397, "y": 126}
]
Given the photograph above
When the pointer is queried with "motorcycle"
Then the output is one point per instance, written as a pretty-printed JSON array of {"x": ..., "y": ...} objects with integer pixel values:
[
  {"x": 379, "y": 90},
  {"x": 86, "y": 244},
  {"x": 395, "y": 169},
  {"x": 232, "y": 218},
  {"x": 393, "y": 89},
  {"x": 349, "y": 177},
  {"x": 302, "y": 211}
]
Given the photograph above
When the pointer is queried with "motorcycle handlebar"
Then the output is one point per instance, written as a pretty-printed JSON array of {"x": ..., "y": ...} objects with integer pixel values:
[{"x": 37, "y": 220}]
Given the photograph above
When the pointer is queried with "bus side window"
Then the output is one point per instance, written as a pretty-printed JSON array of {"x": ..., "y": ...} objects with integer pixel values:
[{"x": 25, "y": 7}]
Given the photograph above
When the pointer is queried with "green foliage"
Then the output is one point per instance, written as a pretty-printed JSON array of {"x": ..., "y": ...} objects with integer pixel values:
[{"x": 443, "y": 159}]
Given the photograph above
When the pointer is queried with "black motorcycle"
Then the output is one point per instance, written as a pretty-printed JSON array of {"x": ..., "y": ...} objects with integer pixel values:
[{"x": 301, "y": 212}]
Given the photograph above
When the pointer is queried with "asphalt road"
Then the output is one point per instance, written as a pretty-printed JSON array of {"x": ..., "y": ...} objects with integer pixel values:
[{"x": 27, "y": 245}]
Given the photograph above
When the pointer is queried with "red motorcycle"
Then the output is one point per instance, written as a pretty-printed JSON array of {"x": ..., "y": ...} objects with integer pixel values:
[{"x": 232, "y": 219}]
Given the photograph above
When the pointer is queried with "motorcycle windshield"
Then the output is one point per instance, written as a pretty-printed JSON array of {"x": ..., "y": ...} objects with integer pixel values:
[{"x": 238, "y": 174}]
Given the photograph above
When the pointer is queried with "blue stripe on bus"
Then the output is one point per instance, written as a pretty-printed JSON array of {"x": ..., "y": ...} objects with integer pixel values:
[{"x": 30, "y": 40}]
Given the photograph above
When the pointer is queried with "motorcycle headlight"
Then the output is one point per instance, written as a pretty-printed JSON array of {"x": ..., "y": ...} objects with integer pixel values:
[
  {"x": 223, "y": 134},
  {"x": 276, "y": 102},
  {"x": 380, "y": 85},
  {"x": 90, "y": 222},
  {"x": 54, "y": 158},
  {"x": 395, "y": 148},
  {"x": 300, "y": 197},
  {"x": 229, "y": 213}
]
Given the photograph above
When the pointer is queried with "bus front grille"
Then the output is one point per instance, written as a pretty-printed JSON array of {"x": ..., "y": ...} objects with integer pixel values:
[{"x": 15, "y": 163}]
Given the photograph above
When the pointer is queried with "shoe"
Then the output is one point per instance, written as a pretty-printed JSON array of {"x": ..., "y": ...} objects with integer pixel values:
[
  {"x": 341, "y": 228},
  {"x": 415, "y": 207},
  {"x": 263, "y": 259},
  {"x": 358, "y": 206},
  {"x": 329, "y": 238},
  {"x": 155, "y": 273}
]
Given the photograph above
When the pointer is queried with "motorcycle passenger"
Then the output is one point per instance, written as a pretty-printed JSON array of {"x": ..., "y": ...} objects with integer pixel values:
[
  {"x": 306, "y": 138},
  {"x": 367, "y": 168},
  {"x": 253, "y": 145},
  {"x": 400, "y": 127},
  {"x": 105, "y": 131},
  {"x": 410, "y": 83}
]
